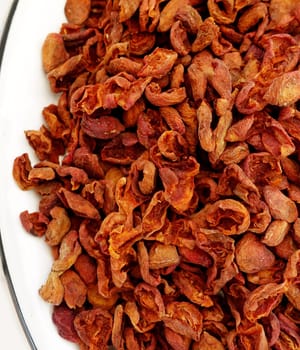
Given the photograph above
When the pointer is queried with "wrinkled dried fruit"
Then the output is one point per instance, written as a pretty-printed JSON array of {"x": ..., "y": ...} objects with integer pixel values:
[{"x": 168, "y": 174}]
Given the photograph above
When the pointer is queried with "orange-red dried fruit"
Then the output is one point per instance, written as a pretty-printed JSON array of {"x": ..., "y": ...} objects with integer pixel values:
[{"x": 168, "y": 174}]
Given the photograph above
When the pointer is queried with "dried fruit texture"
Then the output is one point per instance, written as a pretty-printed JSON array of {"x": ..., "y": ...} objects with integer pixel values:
[
  {"x": 184, "y": 318},
  {"x": 168, "y": 174},
  {"x": 252, "y": 255},
  {"x": 77, "y": 12},
  {"x": 94, "y": 328}
]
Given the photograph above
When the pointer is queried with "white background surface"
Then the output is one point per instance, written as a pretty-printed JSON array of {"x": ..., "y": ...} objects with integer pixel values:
[
  {"x": 11, "y": 333},
  {"x": 12, "y": 336},
  {"x": 24, "y": 91}
]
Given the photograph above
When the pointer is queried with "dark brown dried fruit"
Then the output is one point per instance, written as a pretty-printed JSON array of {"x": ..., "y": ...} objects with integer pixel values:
[{"x": 102, "y": 128}]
